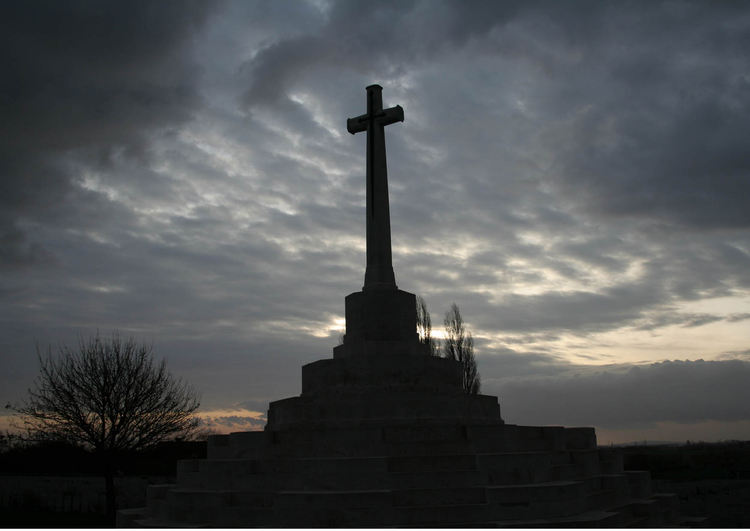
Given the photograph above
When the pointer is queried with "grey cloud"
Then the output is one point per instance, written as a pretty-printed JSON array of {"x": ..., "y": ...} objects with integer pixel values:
[
  {"x": 542, "y": 141},
  {"x": 89, "y": 82},
  {"x": 363, "y": 37},
  {"x": 505, "y": 363},
  {"x": 702, "y": 319},
  {"x": 578, "y": 311},
  {"x": 239, "y": 423},
  {"x": 733, "y": 355},
  {"x": 676, "y": 391},
  {"x": 661, "y": 138}
]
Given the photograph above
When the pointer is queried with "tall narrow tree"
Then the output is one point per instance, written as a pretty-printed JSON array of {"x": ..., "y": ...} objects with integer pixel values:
[
  {"x": 424, "y": 327},
  {"x": 458, "y": 344},
  {"x": 109, "y": 396}
]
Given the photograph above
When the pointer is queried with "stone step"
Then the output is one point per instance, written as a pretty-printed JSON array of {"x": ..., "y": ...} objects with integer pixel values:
[
  {"x": 536, "y": 492},
  {"x": 613, "y": 460},
  {"x": 431, "y": 463},
  {"x": 188, "y": 473},
  {"x": 384, "y": 440},
  {"x": 602, "y": 498},
  {"x": 645, "y": 507},
  {"x": 501, "y": 469},
  {"x": 588, "y": 459},
  {"x": 430, "y": 516},
  {"x": 190, "y": 480},
  {"x": 197, "y": 506},
  {"x": 458, "y": 446},
  {"x": 441, "y": 478},
  {"x": 332, "y": 517},
  {"x": 287, "y": 481},
  {"x": 580, "y": 438},
  {"x": 374, "y": 448},
  {"x": 636, "y": 522},
  {"x": 611, "y": 482},
  {"x": 322, "y": 465},
  {"x": 344, "y": 480},
  {"x": 333, "y": 499},
  {"x": 642, "y": 513},
  {"x": 186, "y": 466},
  {"x": 237, "y": 445},
  {"x": 410, "y": 434},
  {"x": 156, "y": 500},
  {"x": 394, "y": 408},
  {"x": 694, "y": 522},
  {"x": 327, "y": 436},
  {"x": 574, "y": 457},
  {"x": 640, "y": 483},
  {"x": 610, "y": 467},
  {"x": 515, "y": 468},
  {"x": 127, "y": 517},
  {"x": 263, "y": 517},
  {"x": 538, "y": 438},
  {"x": 669, "y": 503},
  {"x": 513, "y": 460},
  {"x": 566, "y": 472},
  {"x": 252, "y": 498},
  {"x": 584, "y": 520},
  {"x": 439, "y": 496},
  {"x": 155, "y": 523}
]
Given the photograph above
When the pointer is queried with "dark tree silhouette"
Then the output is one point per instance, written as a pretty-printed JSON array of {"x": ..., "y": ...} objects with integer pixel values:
[
  {"x": 424, "y": 327},
  {"x": 108, "y": 396},
  {"x": 459, "y": 345}
]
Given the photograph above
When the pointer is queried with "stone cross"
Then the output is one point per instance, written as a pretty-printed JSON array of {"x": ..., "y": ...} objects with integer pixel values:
[{"x": 379, "y": 272}]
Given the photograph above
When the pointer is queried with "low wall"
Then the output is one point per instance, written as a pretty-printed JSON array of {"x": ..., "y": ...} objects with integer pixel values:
[{"x": 77, "y": 494}]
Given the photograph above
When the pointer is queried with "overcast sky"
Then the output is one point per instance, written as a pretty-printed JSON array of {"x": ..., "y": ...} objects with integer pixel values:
[{"x": 574, "y": 175}]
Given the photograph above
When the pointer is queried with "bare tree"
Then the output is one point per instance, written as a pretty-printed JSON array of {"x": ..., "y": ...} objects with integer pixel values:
[
  {"x": 108, "y": 396},
  {"x": 459, "y": 345},
  {"x": 424, "y": 327}
]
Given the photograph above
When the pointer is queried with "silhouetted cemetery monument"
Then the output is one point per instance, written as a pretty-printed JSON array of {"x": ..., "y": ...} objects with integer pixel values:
[{"x": 383, "y": 434}]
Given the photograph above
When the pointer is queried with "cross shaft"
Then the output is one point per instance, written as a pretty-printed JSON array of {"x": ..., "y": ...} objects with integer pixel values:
[{"x": 379, "y": 273}]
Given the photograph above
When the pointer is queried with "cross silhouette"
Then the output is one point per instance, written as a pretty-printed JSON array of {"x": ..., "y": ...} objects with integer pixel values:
[{"x": 379, "y": 272}]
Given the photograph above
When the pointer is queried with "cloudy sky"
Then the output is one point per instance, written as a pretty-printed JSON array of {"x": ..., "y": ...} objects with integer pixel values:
[{"x": 574, "y": 175}]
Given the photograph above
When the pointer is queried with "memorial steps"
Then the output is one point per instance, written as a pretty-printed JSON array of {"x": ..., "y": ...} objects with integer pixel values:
[
  {"x": 401, "y": 477},
  {"x": 383, "y": 435}
]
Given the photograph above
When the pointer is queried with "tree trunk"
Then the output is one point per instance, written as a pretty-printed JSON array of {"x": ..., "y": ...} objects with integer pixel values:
[{"x": 111, "y": 494}]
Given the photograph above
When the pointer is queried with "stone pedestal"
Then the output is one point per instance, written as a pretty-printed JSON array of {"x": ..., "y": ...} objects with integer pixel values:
[
  {"x": 381, "y": 315},
  {"x": 383, "y": 435}
]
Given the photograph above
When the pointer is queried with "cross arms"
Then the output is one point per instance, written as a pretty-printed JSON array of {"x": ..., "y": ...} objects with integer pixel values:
[{"x": 383, "y": 117}]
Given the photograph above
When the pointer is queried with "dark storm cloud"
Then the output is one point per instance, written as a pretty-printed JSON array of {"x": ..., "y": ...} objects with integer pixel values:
[
  {"x": 659, "y": 134},
  {"x": 374, "y": 36},
  {"x": 641, "y": 396},
  {"x": 651, "y": 98},
  {"x": 733, "y": 355},
  {"x": 85, "y": 83}
]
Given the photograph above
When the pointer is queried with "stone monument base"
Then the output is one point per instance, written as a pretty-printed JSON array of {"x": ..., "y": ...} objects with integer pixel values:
[
  {"x": 389, "y": 439},
  {"x": 400, "y": 475}
]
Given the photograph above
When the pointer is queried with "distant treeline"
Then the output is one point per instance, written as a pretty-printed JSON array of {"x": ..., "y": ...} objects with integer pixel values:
[
  {"x": 691, "y": 461},
  {"x": 54, "y": 458}
]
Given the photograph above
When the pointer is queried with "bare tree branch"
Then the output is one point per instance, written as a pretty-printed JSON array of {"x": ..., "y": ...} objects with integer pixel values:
[
  {"x": 424, "y": 327},
  {"x": 108, "y": 396},
  {"x": 459, "y": 345}
]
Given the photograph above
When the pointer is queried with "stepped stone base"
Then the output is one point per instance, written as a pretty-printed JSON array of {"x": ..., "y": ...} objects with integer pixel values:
[
  {"x": 454, "y": 475},
  {"x": 384, "y": 436}
]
